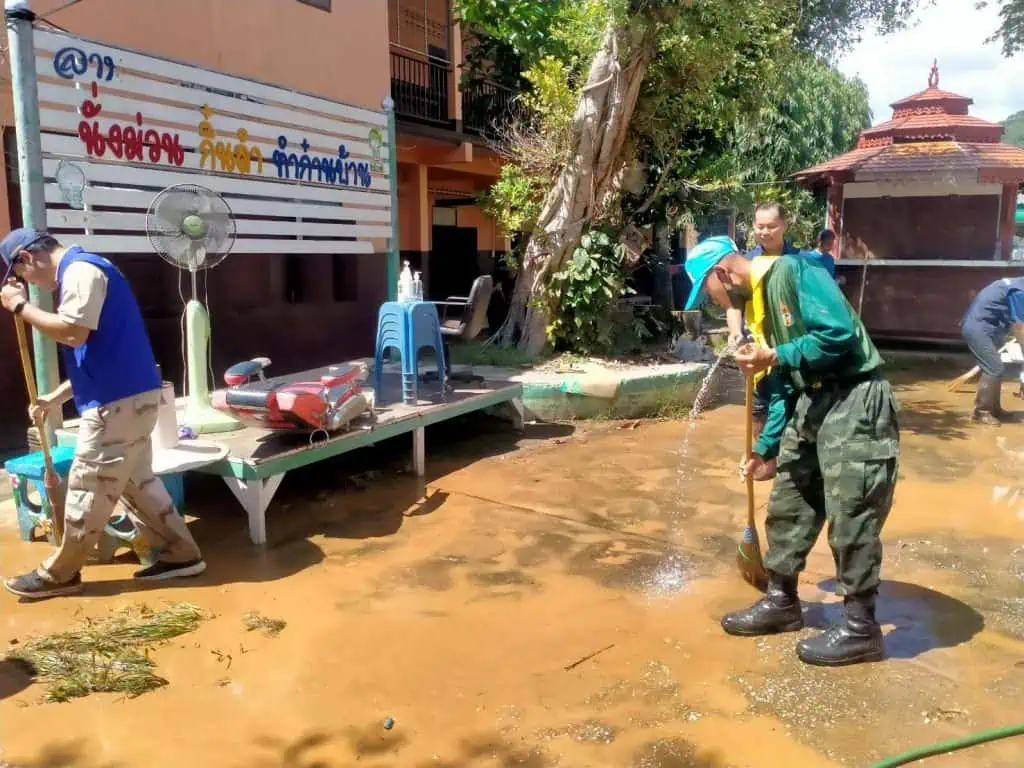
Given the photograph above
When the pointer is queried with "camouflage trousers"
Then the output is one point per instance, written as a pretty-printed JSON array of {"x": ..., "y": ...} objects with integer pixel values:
[
  {"x": 838, "y": 463},
  {"x": 114, "y": 460}
]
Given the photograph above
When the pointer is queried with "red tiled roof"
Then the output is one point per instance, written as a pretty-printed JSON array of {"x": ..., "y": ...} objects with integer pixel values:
[
  {"x": 925, "y": 157},
  {"x": 932, "y": 94},
  {"x": 930, "y": 132}
]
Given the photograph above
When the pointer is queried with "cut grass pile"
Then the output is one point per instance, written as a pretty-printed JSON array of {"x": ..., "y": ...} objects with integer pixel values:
[
  {"x": 270, "y": 627},
  {"x": 107, "y": 655}
]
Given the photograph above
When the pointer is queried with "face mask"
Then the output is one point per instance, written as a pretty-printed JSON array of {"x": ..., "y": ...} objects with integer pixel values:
[{"x": 738, "y": 295}]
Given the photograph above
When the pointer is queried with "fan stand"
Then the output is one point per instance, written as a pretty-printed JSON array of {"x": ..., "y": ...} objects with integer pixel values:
[{"x": 201, "y": 417}]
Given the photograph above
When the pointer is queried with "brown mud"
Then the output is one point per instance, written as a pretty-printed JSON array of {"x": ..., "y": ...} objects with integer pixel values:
[{"x": 553, "y": 601}]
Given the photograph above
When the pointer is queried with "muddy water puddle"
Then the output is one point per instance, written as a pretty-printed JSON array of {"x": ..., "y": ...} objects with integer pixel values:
[{"x": 553, "y": 602}]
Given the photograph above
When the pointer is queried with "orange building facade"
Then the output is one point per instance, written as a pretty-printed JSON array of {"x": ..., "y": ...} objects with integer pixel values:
[{"x": 312, "y": 310}]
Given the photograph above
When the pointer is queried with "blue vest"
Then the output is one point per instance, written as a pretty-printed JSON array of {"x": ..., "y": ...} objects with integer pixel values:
[
  {"x": 991, "y": 307},
  {"x": 116, "y": 360}
]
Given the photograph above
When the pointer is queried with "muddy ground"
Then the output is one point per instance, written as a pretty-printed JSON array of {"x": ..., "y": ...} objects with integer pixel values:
[{"x": 553, "y": 601}]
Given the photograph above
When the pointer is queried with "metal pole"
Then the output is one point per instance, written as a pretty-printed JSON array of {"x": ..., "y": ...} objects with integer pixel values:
[
  {"x": 394, "y": 250},
  {"x": 21, "y": 52}
]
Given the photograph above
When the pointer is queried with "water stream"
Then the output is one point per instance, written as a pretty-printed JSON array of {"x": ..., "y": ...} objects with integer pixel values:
[{"x": 671, "y": 574}]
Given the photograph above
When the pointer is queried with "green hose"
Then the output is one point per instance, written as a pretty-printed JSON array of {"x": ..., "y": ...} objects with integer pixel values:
[{"x": 952, "y": 745}]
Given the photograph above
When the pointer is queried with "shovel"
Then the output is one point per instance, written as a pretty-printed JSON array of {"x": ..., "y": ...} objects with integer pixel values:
[
  {"x": 51, "y": 480},
  {"x": 748, "y": 555}
]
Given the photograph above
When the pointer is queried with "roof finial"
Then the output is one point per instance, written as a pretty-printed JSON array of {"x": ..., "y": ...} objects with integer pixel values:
[{"x": 933, "y": 76}]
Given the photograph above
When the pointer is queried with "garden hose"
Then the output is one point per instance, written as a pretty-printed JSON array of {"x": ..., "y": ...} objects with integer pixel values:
[{"x": 953, "y": 745}]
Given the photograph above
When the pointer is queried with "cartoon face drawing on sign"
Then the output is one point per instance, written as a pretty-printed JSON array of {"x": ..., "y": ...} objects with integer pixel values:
[
  {"x": 376, "y": 140},
  {"x": 71, "y": 183}
]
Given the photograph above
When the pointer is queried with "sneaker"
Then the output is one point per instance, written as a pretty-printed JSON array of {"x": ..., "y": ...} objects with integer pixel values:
[
  {"x": 160, "y": 571},
  {"x": 32, "y": 586}
]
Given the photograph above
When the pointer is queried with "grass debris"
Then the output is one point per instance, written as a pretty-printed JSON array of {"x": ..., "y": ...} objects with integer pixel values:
[
  {"x": 107, "y": 655},
  {"x": 253, "y": 620}
]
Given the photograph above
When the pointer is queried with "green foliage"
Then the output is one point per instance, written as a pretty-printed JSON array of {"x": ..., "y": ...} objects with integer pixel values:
[
  {"x": 1014, "y": 133},
  {"x": 816, "y": 114},
  {"x": 515, "y": 199},
  {"x": 584, "y": 293},
  {"x": 525, "y": 25},
  {"x": 1011, "y": 25},
  {"x": 828, "y": 27}
]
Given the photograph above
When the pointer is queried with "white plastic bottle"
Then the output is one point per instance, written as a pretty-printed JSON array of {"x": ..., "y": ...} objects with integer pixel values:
[{"x": 405, "y": 284}]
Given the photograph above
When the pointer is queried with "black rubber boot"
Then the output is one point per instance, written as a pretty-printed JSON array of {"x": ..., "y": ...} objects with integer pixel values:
[
  {"x": 856, "y": 640},
  {"x": 778, "y": 611},
  {"x": 986, "y": 401}
]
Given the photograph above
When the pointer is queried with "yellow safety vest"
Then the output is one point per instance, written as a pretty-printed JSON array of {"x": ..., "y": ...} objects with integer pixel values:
[{"x": 755, "y": 311}]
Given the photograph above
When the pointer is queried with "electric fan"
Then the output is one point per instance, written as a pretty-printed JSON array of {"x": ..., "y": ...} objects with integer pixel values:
[{"x": 192, "y": 228}]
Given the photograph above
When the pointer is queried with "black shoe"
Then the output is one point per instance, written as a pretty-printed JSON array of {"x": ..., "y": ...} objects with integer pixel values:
[
  {"x": 32, "y": 586},
  {"x": 778, "y": 611},
  {"x": 159, "y": 571},
  {"x": 857, "y": 640}
]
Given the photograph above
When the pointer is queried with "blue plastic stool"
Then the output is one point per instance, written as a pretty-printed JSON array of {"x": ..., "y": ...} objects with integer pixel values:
[
  {"x": 407, "y": 327},
  {"x": 426, "y": 333},
  {"x": 25, "y": 473}
]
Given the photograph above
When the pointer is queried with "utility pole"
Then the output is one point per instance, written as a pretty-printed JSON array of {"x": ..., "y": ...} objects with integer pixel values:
[
  {"x": 21, "y": 52},
  {"x": 394, "y": 252}
]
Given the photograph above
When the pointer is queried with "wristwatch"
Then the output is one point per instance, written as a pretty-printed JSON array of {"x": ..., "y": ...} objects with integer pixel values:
[{"x": 20, "y": 308}]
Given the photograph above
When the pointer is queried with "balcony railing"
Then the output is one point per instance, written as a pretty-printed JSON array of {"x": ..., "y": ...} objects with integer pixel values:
[
  {"x": 420, "y": 88},
  {"x": 486, "y": 108}
]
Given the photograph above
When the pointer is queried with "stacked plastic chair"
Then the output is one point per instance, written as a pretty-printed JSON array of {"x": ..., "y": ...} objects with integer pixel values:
[{"x": 407, "y": 327}]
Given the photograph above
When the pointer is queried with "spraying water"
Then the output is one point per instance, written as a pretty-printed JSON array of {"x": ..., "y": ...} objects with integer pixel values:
[
  {"x": 670, "y": 576},
  {"x": 699, "y": 404}
]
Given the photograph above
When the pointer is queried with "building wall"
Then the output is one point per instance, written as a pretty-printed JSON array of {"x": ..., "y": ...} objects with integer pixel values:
[
  {"x": 949, "y": 227},
  {"x": 918, "y": 302},
  {"x": 340, "y": 55}
]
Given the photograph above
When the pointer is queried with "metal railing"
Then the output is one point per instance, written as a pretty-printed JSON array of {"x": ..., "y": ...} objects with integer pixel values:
[
  {"x": 420, "y": 88},
  {"x": 486, "y": 107}
]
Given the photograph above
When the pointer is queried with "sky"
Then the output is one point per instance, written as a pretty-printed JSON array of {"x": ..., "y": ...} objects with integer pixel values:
[{"x": 954, "y": 32}]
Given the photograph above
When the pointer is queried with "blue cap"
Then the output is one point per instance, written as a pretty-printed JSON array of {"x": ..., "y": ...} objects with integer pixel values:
[
  {"x": 16, "y": 242},
  {"x": 700, "y": 261}
]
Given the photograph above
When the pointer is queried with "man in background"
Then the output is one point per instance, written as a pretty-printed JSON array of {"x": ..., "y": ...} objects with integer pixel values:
[
  {"x": 996, "y": 313},
  {"x": 113, "y": 378},
  {"x": 824, "y": 254}
]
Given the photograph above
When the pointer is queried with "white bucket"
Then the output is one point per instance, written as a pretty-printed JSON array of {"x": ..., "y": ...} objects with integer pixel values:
[{"x": 165, "y": 434}]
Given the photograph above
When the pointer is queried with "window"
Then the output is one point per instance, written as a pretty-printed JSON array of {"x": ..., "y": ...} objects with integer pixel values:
[{"x": 323, "y": 5}]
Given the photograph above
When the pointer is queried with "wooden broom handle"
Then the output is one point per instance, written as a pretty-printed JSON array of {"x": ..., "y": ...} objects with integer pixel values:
[
  {"x": 749, "y": 447},
  {"x": 30, "y": 385}
]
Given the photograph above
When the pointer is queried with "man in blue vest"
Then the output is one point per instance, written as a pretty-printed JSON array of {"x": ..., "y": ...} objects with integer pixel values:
[
  {"x": 114, "y": 381},
  {"x": 996, "y": 313}
]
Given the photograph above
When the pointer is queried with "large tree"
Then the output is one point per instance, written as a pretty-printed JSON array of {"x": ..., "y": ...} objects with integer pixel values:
[{"x": 635, "y": 103}]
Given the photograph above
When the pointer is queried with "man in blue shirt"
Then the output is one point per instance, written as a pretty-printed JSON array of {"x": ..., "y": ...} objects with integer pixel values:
[
  {"x": 823, "y": 253},
  {"x": 996, "y": 313},
  {"x": 114, "y": 381}
]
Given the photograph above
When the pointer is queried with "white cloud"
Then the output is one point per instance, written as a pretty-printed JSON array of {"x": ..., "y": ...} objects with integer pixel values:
[{"x": 954, "y": 32}]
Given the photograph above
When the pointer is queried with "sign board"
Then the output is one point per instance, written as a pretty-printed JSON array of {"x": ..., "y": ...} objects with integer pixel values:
[{"x": 301, "y": 174}]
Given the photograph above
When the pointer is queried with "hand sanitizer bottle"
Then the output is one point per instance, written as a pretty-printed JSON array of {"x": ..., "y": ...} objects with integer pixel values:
[
  {"x": 405, "y": 284},
  {"x": 417, "y": 287}
]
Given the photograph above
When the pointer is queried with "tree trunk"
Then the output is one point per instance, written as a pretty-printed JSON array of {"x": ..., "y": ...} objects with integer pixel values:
[{"x": 600, "y": 127}]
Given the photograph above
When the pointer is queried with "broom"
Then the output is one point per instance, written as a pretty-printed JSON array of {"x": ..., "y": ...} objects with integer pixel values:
[
  {"x": 748, "y": 555},
  {"x": 54, "y": 488}
]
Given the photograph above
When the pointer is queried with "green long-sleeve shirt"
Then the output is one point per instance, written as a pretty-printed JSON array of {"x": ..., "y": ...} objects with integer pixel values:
[{"x": 816, "y": 336}]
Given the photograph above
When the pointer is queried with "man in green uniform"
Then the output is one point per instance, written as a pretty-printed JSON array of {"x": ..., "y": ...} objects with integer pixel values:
[{"x": 833, "y": 424}]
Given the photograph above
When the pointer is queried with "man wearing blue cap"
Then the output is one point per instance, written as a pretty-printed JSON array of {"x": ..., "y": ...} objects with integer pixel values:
[
  {"x": 114, "y": 381},
  {"x": 838, "y": 455}
]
